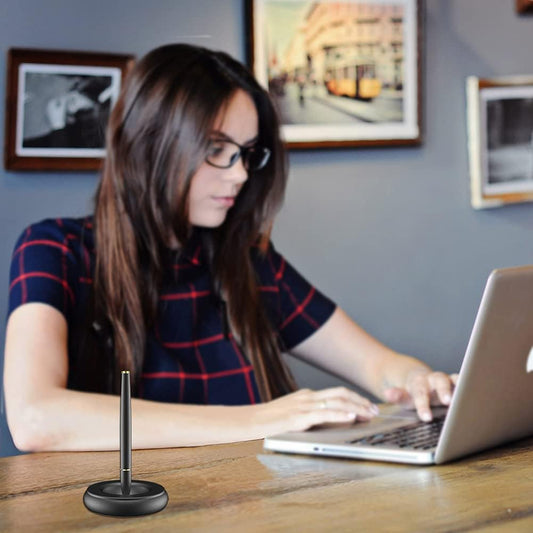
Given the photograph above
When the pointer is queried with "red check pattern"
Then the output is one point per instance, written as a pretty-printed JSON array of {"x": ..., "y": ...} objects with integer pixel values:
[{"x": 188, "y": 357}]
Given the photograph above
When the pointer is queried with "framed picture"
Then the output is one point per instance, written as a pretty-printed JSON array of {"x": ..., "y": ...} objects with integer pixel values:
[
  {"x": 340, "y": 73},
  {"x": 500, "y": 140},
  {"x": 524, "y": 6},
  {"x": 58, "y": 105}
]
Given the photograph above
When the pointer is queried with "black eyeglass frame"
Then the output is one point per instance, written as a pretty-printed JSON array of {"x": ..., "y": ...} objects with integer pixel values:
[{"x": 242, "y": 153}]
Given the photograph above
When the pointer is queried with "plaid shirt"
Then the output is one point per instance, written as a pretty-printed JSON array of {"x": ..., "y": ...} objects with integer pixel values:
[{"x": 188, "y": 357}]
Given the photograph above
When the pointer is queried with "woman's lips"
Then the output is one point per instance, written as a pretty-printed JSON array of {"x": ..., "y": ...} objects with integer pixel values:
[{"x": 224, "y": 201}]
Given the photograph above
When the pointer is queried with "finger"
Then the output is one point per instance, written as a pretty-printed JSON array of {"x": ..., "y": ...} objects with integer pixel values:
[
  {"x": 345, "y": 399},
  {"x": 314, "y": 418},
  {"x": 361, "y": 409},
  {"x": 340, "y": 392},
  {"x": 331, "y": 415},
  {"x": 454, "y": 378},
  {"x": 442, "y": 385},
  {"x": 419, "y": 390}
]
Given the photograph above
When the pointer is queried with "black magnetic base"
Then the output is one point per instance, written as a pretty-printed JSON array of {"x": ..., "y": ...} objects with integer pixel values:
[{"x": 106, "y": 498}]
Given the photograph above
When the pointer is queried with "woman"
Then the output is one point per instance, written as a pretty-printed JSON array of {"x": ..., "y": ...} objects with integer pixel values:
[{"x": 174, "y": 278}]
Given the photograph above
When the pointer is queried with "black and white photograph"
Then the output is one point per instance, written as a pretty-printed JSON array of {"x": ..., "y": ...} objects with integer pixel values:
[
  {"x": 340, "y": 73},
  {"x": 65, "y": 112},
  {"x": 501, "y": 140},
  {"x": 59, "y": 107}
]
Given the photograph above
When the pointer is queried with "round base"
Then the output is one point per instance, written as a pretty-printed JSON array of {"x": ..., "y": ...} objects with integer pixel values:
[{"x": 106, "y": 497}]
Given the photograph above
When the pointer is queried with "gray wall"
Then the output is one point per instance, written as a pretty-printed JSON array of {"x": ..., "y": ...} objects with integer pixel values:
[{"x": 388, "y": 233}]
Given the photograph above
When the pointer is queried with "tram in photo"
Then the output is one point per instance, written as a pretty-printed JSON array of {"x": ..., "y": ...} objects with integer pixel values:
[{"x": 354, "y": 81}]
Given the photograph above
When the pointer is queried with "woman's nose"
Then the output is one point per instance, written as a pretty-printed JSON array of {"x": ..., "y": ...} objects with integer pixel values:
[{"x": 237, "y": 173}]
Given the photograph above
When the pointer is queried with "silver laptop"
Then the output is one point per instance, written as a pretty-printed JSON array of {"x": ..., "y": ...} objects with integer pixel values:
[{"x": 492, "y": 403}]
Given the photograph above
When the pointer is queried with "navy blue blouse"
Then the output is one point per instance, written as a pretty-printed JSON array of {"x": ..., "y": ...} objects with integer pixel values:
[{"x": 188, "y": 357}]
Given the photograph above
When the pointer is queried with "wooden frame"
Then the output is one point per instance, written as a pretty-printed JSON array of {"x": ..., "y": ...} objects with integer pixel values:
[
  {"x": 57, "y": 107},
  {"x": 342, "y": 74},
  {"x": 500, "y": 140},
  {"x": 524, "y": 6}
]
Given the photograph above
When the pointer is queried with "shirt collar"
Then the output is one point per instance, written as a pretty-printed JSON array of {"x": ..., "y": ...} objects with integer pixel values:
[{"x": 192, "y": 252}]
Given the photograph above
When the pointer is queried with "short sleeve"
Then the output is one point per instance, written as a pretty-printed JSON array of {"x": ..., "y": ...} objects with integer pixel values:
[
  {"x": 43, "y": 268},
  {"x": 299, "y": 308}
]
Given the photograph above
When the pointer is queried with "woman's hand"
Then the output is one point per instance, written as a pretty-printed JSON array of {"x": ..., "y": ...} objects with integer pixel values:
[
  {"x": 305, "y": 408},
  {"x": 422, "y": 390}
]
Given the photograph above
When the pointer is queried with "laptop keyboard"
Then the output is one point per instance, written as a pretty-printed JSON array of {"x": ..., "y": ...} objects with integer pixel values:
[{"x": 417, "y": 436}]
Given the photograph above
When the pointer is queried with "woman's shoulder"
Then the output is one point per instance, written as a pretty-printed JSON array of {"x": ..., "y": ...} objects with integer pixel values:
[
  {"x": 61, "y": 226},
  {"x": 51, "y": 263},
  {"x": 64, "y": 230}
]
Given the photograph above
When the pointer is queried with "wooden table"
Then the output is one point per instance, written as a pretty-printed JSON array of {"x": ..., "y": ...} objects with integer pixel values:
[{"x": 240, "y": 487}]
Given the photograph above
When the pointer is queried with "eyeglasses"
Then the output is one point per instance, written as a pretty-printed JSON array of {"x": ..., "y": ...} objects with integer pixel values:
[{"x": 223, "y": 153}]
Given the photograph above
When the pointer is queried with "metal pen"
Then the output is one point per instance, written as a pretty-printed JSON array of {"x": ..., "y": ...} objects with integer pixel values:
[{"x": 125, "y": 433}]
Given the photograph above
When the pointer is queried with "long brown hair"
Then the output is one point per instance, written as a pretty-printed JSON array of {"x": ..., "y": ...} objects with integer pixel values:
[{"x": 157, "y": 138}]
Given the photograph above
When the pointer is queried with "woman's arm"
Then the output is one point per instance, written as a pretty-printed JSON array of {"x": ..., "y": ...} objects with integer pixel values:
[
  {"x": 344, "y": 349},
  {"x": 44, "y": 415}
]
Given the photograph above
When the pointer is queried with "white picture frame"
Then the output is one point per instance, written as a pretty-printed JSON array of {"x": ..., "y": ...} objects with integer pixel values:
[
  {"x": 500, "y": 140},
  {"x": 340, "y": 73}
]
